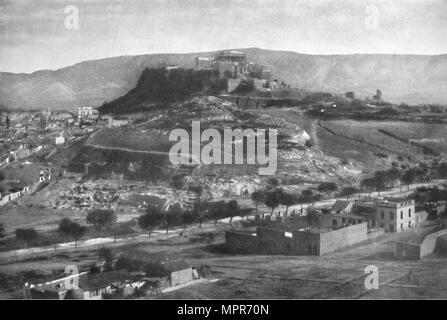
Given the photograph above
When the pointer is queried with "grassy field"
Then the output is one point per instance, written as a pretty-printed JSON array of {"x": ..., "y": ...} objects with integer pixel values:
[
  {"x": 330, "y": 144},
  {"x": 368, "y": 131},
  {"x": 138, "y": 139},
  {"x": 362, "y": 142}
]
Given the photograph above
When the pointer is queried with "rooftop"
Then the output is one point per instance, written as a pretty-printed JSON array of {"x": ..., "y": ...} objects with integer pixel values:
[
  {"x": 101, "y": 280},
  {"x": 340, "y": 205},
  {"x": 397, "y": 200}
]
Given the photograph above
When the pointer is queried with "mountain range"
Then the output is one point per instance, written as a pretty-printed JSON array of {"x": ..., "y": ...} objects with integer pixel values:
[{"x": 412, "y": 79}]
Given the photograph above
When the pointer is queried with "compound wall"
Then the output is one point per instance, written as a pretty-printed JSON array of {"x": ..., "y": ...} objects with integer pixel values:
[{"x": 343, "y": 237}]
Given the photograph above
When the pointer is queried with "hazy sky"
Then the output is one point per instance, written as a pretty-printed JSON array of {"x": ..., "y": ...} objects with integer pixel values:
[{"x": 33, "y": 34}]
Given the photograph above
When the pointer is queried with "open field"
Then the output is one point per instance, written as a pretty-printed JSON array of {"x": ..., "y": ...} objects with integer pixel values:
[
  {"x": 132, "y": 138},
  {"x": 364, "y": 142},
  {"x": 429, "y": 135},
  {"x": 339, "y": 275},
  {"x": 336, "y": 276},
  {"x": 359, "y": 153}
]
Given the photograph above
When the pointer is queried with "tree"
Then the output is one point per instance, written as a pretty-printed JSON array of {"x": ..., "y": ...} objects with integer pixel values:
[
  {"x": 101, "y": 218},
  {"x": 217, "y": 210},
  {"x": 313, "y": 217},
  {"x": 370, "y": 184},
  {"x": 350, "y": 95},
  {"x": 286, "y": 199},
  {"x": 77, "y": 231},
  {"x": 173, "y": 216},
  {"x": 307, "y": 196},
  {"x": 386, "y": 178},
  {"x": 200, "y": 211},
  {"x": 151, "y": 219},
  {"x": 107, "y": 255},
  {"x": 271, "y": 199},
  {"x": 257, "y": 197},
  {"x": 316, "y": 197},
  {"x": 65, "y": 227},
  {"x": 409, "y": 177},
  {"x": 71, "y": 228},
  {"x": 272, "y": 182},
  {"x": 327, "y": 187},
  {"x": 392, "y": 175},
  {"x": 233, "y": 209},
  {"x": 442, "y": 170},
  {"x": 300, "y": 200},
  {"x": 348, "y": 191},
  {"x": 187, "y": 218},
  {"x": 26, "y": 235}
]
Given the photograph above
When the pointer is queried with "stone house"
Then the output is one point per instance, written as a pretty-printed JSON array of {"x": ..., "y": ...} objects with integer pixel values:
[{"x": 396, "y": 214}]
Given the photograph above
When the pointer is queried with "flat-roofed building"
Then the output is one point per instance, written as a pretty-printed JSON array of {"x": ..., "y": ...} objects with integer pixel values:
[
  {"x": 395, "y": 214},
  {"x": 295, "y": 242}
]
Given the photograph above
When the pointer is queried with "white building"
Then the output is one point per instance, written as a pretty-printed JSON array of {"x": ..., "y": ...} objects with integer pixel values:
[
  {"x": 395, "y": 214},
  {"x": 87, "y": 113},
  {"x": 118, "y": 122},
  {"x": 60, "y": 140}
]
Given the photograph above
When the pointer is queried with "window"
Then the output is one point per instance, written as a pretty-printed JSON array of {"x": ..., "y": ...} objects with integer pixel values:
[
  {"x": 382, "y": 214},
  {"x": 391, "y": 215},
  {"x": 343, "y": 220},
  {"x": 409, "y": 224},
  {"x": 382, "y": 225},
  {"x": 334, "y": 222},
  {"x": 391, "y": 227},
  {"x": 401, "y": 226},
  {"x": 409, "y": 213},
  {"x": 401, "y": 214}
]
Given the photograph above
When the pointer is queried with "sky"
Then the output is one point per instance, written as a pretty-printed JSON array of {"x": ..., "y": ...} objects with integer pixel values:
[{"x": 50, "y": 34}]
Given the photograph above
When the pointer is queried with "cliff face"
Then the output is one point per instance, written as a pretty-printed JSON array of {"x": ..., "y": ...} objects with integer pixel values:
[
  {"x": 402, "y": 78},
  {"x": 161, "y": 86}
]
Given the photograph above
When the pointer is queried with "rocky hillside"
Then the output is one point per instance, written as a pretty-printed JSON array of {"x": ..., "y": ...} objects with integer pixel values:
[
  {"x": 408, "y": 78},
  {"x": 141, "y": 149}
]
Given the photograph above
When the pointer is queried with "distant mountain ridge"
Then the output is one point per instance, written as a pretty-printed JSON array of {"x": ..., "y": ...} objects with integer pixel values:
[{"x": 402, "y": 78}]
